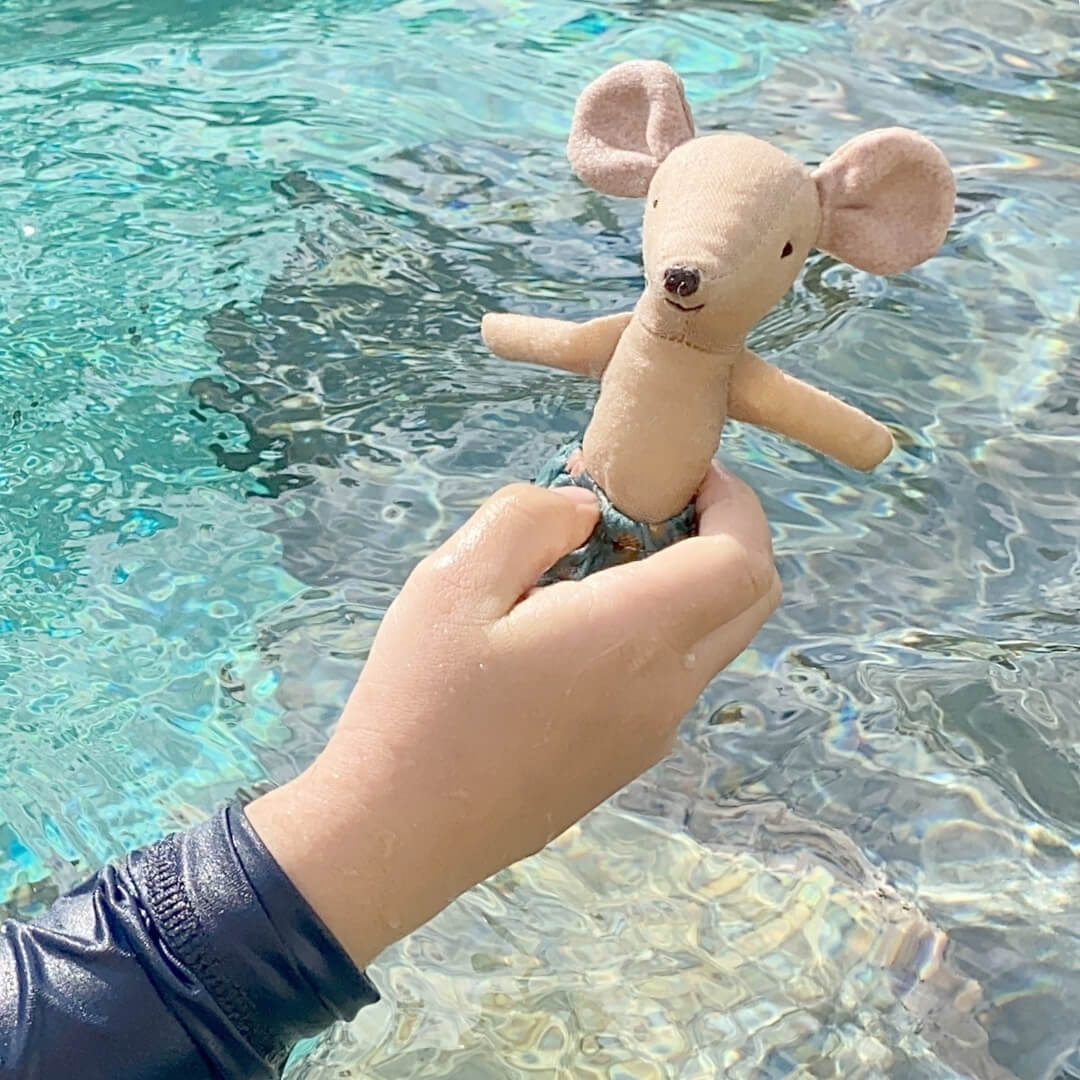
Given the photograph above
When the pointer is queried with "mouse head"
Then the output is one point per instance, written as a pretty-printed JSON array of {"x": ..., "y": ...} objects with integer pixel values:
[{"x": 730, "y": 219}]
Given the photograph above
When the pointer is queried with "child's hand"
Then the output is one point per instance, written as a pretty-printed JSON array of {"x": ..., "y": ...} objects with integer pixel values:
[{"x": 489, "y": 718}]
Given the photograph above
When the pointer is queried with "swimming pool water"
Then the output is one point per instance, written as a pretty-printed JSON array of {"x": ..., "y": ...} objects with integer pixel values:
[{"x": 247, "y": 247}]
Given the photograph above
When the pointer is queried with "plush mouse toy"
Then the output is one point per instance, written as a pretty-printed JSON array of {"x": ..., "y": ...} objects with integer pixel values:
[{"x": 729, "y": 222}]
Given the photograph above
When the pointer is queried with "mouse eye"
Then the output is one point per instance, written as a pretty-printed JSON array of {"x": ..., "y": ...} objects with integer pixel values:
[
  {"x": 655, "y": 203},
  {"x": 788, "y": 249}
]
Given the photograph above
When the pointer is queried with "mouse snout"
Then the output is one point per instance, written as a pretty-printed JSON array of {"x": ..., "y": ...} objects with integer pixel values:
[{"x": 682, "y": 280}]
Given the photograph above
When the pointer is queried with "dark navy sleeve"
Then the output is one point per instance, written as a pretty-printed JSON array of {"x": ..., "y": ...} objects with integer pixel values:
[{"x": 193, "y": 959}]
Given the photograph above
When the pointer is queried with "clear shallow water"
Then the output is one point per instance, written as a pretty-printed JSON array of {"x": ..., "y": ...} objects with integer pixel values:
[{"x": 247, "y": 249}]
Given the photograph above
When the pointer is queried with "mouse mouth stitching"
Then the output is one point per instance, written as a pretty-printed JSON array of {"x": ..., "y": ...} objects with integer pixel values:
[{"x": 681, "y": 308}]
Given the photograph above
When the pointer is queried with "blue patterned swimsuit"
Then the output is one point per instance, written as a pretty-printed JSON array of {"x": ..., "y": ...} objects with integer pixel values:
[{"x": 616, "y": 538}]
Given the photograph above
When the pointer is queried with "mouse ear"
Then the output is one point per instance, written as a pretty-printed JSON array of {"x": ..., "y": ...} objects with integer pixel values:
[
  {"x": 625, "y": 124},
  {"x": 887, "y": 200}
]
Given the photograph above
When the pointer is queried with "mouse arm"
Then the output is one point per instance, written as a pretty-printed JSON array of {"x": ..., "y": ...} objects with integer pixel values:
[
  {"x": 583, "y": 348},
  {"x": 762, "y": 394}
]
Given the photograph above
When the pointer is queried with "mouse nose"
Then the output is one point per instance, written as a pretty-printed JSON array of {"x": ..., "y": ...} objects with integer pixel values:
[{"x": 682, "y": 280}]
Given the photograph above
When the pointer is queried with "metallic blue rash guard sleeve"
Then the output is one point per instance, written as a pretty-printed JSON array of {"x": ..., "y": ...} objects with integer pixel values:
[{"x": 193, "y": 959}]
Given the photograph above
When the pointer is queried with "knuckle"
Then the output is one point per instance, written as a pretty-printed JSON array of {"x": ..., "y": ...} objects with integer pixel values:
[
  {"x": 750, "y": 568},
  {"x": 431, "y": 570},
  {"x": 672, "y": 641},
  {"x": 640, "y": 655},
  {"x": 439, "y": 583},
  {"x": 760, "y": 569},
  {"x": 421, "y": 576},
  {"x": 627, "y": 653},
  {"x": 638, "y": 662},
  {"x": 776, "y": 592}
]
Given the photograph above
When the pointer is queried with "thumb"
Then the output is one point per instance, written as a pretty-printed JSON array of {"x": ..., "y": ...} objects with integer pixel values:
[{"x": 519, "y": 533}]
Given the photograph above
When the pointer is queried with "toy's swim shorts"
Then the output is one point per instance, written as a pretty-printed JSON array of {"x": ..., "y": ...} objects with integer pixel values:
[{"x": 616, "y": 538}]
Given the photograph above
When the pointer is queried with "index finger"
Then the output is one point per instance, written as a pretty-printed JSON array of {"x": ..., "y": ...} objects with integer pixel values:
[{"x": 727, "y": 506}]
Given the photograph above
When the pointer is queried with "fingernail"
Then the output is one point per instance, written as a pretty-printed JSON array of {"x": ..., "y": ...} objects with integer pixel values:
[{"x": 581, "y": 496}]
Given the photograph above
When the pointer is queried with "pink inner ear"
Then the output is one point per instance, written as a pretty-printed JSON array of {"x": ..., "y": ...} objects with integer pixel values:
[
  {"x": 887, "y": 200},
  {"x": 625, "y": 124}
]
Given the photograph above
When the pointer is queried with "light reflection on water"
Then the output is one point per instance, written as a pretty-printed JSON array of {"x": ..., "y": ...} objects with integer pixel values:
[{"x": 248, "y": 246}]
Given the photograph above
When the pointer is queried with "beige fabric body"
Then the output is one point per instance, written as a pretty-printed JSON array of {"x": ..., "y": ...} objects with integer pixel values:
[{"x": 729, "y": 223}]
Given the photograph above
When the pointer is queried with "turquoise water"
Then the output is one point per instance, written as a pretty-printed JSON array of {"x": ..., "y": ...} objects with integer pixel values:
[{"x": 247, "y": 247}]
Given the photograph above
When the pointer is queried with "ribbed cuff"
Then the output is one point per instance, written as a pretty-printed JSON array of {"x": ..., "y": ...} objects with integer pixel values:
[
  {"x": 333, "y": 977},
  {"x": 228, "y": 913}
]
